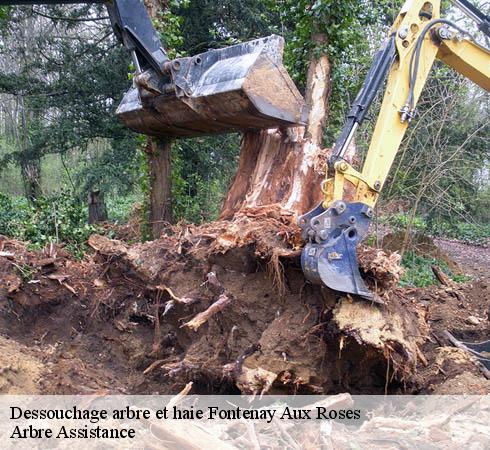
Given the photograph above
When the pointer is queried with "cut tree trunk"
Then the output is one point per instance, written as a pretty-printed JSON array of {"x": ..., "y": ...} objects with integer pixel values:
[
  {"x": 97, "y": 211},
  {"x": 159, "y": 162},
  {"x": 285, "y": 166}
]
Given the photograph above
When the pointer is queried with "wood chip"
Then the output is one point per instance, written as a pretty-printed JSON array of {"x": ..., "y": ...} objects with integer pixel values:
[
  {"x": 421, "y": 356},
  {"x": 472, "y": 320}
]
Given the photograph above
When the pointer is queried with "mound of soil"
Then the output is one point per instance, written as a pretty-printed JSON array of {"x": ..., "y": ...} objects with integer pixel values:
[{"x": 224, "y": 305}]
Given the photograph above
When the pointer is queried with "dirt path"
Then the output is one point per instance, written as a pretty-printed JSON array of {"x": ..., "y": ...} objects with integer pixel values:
[{"x": 473, "y": 260}]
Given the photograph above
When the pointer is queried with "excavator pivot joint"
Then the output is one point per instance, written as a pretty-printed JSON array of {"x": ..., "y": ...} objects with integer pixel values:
[{"x": 330, "y": 255}]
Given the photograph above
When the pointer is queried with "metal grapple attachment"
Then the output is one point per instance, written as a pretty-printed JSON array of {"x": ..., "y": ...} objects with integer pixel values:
[
  {"x": 240, "y": 87},
  {"x": 330, "y": 255}
]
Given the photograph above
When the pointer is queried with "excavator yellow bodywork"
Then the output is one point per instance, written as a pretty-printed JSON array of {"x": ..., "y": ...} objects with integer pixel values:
[{"x": 418, "y": 37}]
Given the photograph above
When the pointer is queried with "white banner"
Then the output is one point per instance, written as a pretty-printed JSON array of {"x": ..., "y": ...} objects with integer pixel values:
[{"x": 240, "y": 422}]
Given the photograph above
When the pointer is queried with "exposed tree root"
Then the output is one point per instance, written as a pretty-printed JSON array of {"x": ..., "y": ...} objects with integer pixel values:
[{"x": 226, "y": 306}]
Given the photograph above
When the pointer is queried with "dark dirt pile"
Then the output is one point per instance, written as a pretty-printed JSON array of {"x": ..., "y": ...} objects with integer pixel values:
[{"x": 224, "y": 305}]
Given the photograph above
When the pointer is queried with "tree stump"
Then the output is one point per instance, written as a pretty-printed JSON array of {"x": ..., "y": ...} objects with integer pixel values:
[{"x": 285, "y": 166}]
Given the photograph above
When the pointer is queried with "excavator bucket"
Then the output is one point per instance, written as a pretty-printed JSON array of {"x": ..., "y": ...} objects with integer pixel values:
[
  {"x": 330, "y": 256},
  {"x": 236, "y": 88}
]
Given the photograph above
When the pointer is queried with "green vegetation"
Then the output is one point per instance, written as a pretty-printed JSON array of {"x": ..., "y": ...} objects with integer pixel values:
[
  {"x": 471, "y": 233},
  {"x": 119, "y": 208},
  {"x": 400, "y": 221},
  {"x": 60, "y": 218},
  {"x": 418, "y": 270},
  {"x": 468, "y": 232}
]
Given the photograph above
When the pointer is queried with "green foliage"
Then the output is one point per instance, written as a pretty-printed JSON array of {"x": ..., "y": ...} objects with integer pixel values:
[
  {"x": 59, "y": 218},
  {"x": 206, "y": 24},
  {"x": 401, "y": 221},
  {"x": 418, "y": 270},
  {"x": 342, "y": 30},
  {"x": 4, "y": 15},
  {"x": 120, "y": 208},
  {"x": 169, "y": 24},
  {"x": 201, "y": 173},
  {"x": 471, "y": 233},
  {"x": 114, "y": 170},
  {"x": 66, "y": 84}
]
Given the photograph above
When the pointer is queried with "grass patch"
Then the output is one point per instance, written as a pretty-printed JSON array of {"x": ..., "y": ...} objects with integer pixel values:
[
  {"x": 468, "y": 232},
  {"x": 120, "y": 208}
]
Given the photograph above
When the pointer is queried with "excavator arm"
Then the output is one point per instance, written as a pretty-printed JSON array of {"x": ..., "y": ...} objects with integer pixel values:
[
  {"x": 335, "y": 227},
  {"x": 131, "y": 25},
  {"x": 236, "y": 88}
]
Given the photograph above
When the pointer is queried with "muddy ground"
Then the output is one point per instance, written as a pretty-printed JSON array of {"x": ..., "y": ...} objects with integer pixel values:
[{"x": 129, "y": 319}]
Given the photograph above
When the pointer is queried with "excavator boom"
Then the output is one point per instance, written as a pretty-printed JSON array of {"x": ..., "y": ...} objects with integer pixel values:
[
  {"x": 237, "y": 88},
  {"x": 418, "y": 37}
]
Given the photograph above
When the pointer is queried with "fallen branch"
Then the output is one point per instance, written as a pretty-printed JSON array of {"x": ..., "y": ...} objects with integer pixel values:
[
  {"x": 220, "y": 304},
  {"x": 441, "y": 276}
]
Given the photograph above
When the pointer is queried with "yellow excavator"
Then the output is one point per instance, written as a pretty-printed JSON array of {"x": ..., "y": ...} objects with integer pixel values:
[
  {"x": 417, "y": 38},
  {"x": 245, "y": 86}
]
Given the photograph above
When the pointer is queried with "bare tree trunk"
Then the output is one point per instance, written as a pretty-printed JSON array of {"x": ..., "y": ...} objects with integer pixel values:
[
  {"x": 285, "y": 166},
  {"x": 97, "y": 211},
  {"x": 159, "y": 152},
  {"x": 31, "y": 176},
  {"x": 159, "y": 162},
  {"x": 30, "y": 166}
]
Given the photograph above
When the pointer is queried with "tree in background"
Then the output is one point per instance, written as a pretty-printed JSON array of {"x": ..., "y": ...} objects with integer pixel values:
[
  {"x": 159, "y": 151},
  {"x": 59, "y": 97},
  {"x": 440, "y": 163}
]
